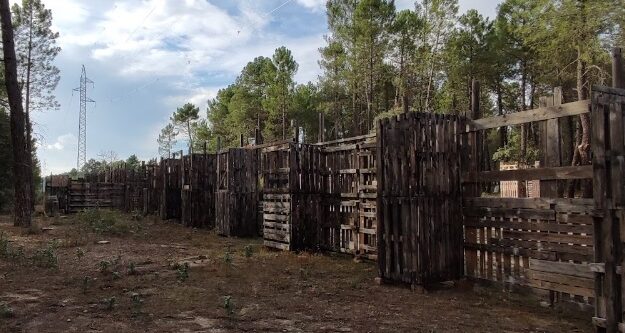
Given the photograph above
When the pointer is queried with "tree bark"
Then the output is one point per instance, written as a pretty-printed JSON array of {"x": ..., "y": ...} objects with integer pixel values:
[
  {"x": 21, "y": 168},
  {"x": 29, "y": 126}
]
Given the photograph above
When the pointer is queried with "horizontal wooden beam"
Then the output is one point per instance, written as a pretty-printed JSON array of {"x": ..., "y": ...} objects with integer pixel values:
[
  {"x": 522, "y": 117},
  {"x": 568, "y": 172}
]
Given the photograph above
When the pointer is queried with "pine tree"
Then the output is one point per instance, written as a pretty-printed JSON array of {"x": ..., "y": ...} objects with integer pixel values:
[
  {"x": 22, "y": 170},
  {"x": 184, "y": 120},
  {"x": 36, "y": 49},
  {"x": 167, "y": 140}
]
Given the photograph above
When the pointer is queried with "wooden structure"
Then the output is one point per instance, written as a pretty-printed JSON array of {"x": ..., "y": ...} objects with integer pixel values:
[
  {"x": 608, "y": 146},
  {"x": 170, "y": 172},
  {"x": 512, "y": 188},
  {"x": 236, "y": 197},
  {"x": 419, "y": 198},
  {"x": 543, "y": 243},
  {"x": 199, "y": 181}
]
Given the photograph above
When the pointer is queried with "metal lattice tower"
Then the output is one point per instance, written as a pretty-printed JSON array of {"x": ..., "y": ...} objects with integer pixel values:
[{"x": 82, "y": 118}]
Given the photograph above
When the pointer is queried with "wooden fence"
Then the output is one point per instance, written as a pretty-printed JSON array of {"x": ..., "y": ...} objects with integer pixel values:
[
  {"x": 543, "y": 243},
  {"x": 419, "y": 200}
]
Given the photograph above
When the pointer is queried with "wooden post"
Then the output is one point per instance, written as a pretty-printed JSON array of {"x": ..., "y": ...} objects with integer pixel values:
[
  {"x": 218, "y": 144},
  {"x": 257, "y": 137},
  {"x": 618, "y": 68},
  {"x": 204, "y": 148},
  {"x": 321, "y": 127},
  {"x": 473, "y": 190},
  {"x": 295, "y": 132},
  {"x": 240, "y": 140}
]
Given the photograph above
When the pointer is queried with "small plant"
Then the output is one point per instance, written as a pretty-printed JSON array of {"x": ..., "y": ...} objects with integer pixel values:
[
  {"x": 248, "y": 251},
  {"x": 228, "y": 255},
  {"x": 109, "y": 303},
  {"x": 108, "y": 222},
  {"x": 116, "y": 275},
  {"x": 4, "y": 245},
  {"x": 6, "y": 311},
  {"x": 228, "y": 306},
  {"x": 132, "y": 269},
  {"x": 104, "y": 266},
  {"x": 182, "y": 272},
  {"x": 46, "y": 257},
  {"x": 86, "y": 283},
  {"x": 137, "y": 302},
  {"x": 80, "y": 253}
]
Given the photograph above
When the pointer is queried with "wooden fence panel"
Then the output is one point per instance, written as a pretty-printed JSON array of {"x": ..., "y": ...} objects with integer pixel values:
[
  {"x": 608, "y": 147},
  {"x": 419, "y": 198},
  {"x": 198, "y": 190}
]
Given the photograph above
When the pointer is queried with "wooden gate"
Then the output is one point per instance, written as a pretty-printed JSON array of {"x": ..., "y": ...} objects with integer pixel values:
[
  {"x": 419, "y": 198},
  {"x": 608, "y": 147}
]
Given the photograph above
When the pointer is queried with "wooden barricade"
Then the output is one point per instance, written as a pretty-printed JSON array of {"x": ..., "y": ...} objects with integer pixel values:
[
  {"x": 292, "y": 201},
  {"x": 608, "y": 147},
  {"x": 170, "y": 175},
  {"x": 236, "y": 199},
  {"x": 418, "y": 205},
  {"x": 198, "y": 190},
  {"x": 542, "y": 243}
]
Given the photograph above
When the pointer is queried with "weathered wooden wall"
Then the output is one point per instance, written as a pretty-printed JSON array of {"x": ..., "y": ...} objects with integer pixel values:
[
  {"x": 419, "y": 198},
  {"x": 170, "y": 173},
  {"x": 542, "y": 243},
  {"x": 199, "y": 181},
  {"x": 236, "y": 199},
  {"x": 608, "y": 147}
]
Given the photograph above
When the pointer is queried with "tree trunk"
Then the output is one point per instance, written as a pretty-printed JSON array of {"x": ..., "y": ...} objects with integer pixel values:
[
  {"x": 29, "y": 125},
  {"x": 21, "y": 169},
  {"x": 503, "y": 131}
]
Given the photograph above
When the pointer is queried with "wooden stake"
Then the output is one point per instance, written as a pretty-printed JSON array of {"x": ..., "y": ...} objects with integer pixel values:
[{"x": 618, "y": 68}]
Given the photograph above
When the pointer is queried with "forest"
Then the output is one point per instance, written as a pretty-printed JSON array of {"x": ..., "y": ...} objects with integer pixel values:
[{"x": 379, "y": 61}]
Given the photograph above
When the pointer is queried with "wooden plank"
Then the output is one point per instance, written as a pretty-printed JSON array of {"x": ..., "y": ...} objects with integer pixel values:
[
  {"x": 565, "y": 268},
  {"x": 530, "y": 225},
  {"x": 568, "y": 172},
  {"x": 537, "y": 203},
  {"x": 523, "y": 117}
]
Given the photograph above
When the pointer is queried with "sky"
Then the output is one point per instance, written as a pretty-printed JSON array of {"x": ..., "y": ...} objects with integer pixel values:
[{"x": 148, "y": 57}]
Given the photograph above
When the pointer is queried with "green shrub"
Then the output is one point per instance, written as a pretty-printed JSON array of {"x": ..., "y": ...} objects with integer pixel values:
[
  {"x": 108, "y": 222},
  {"x": 46, "y": 257},
  {"x": 6, "y": 311}
]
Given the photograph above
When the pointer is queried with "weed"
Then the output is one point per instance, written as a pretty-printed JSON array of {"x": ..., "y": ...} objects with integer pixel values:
[
  {"x": 228, "y": 255},
  {"x": 104, "y": 266},
  {"x": 86, "y": 283},
  {"x": 248, "y": 251},
  {"x": 6, "y": 311},
  {"x": 137, "y": 302},
  {"x": 80, "y": 253},
  {"x": 46, "y": 257},
  {"x": 132, "y": 269},
  {"x": 229, "y": 306},
  {"x": 108, "y": 222},
  {"x": 4, "y": 245},
  {"x": 109, "y": 303},
  {"x": 116, "y": 275},
  {"x": 182, "y": 272}
]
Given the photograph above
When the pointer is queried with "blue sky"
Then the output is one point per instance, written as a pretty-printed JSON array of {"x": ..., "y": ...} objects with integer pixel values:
[{"x": 148, "y": 57}]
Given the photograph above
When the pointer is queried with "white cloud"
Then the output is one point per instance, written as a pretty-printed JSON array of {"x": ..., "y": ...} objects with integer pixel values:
[
  {"x": 62, "y": 142},
  {"x": 313, "y": 4}
]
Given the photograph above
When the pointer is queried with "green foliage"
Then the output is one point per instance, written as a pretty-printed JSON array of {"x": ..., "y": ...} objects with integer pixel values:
[
  {"x": 184, "y": 119},
  {"x": 182, "y": 272},
  {"x": 86, "y": 284},
  {"x": 512, "y": 151},
  {"x": 109, "y": 303},
  {"x": 46, "y": 257},
  {"x": 228, "y": 306},
  {"x": 228, "y": 256},
  {"x": 167, "y": 140},
  {"x": 248, "y": 251},
  {"x": 108, "y": 222},
  {"x": 6, "y": 311}
]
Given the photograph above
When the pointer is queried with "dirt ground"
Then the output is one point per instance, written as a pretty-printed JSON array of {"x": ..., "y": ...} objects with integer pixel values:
[{"x": 63, "y": 280}]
